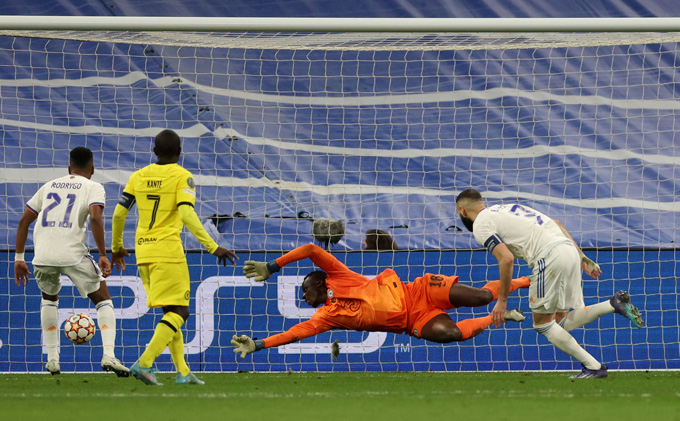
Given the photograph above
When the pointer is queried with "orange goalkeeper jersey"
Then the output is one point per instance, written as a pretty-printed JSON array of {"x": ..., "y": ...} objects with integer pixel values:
[{"x": 354, "y": 301}]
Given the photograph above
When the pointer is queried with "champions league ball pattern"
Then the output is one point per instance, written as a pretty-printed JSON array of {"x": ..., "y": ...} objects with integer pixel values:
[{"x": 79, "y": 328}]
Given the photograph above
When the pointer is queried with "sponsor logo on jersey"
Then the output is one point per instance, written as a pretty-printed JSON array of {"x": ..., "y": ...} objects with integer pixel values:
[{"x": 146, "y": 240}]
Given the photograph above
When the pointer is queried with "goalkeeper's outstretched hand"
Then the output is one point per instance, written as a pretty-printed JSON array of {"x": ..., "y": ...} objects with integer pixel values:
[
  {"x": 590, "y": 267},
  {"x": 255, "y": 269},
  {"x": 243, "y": 344}
]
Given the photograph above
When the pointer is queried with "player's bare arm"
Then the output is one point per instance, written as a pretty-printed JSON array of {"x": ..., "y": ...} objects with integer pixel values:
[
  {"x": 588, "y": 265},
  {"x": 97, "y": 226},
  {"x": 21, "y": 271},
  {"x": 505, "y": 265}
]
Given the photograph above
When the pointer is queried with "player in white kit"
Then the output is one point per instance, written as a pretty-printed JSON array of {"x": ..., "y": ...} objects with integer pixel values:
[
  {"x": 517, "y": 231},
  {"x": 62, "y": 207}
]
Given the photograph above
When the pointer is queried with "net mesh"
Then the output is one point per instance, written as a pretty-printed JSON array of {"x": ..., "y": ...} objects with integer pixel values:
[{"x": 378, "y": 131}]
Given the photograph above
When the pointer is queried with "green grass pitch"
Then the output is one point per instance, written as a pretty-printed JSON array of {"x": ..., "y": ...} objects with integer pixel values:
[{"x": 646, "y": 396}]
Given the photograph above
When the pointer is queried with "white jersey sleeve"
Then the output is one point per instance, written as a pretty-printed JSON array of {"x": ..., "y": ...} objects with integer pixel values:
[
  {"x": 486, "y": 233},
  {"x": 526, "y": 232},
  {"x": 34, "y": 204},
  {"x": 97, "y": 195}
]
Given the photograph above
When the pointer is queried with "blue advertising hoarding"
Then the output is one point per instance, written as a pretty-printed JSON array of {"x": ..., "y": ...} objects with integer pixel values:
[{"x": 225, "y": 303}]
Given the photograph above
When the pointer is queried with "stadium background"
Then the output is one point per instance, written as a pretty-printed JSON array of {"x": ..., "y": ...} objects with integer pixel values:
[{"x": 620, "y": 201}]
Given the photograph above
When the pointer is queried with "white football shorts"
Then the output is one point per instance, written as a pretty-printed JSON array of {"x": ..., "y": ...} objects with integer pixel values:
[
  {"x": 86, "y": 276},
  {"x": 556, "y": 281}
]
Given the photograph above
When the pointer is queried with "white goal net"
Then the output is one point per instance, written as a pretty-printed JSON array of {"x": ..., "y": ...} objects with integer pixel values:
[{"x": 379, "y": 130}]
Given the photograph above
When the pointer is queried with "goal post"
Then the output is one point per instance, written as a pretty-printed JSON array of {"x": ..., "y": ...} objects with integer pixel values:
[{"x": 379, "y": 123}]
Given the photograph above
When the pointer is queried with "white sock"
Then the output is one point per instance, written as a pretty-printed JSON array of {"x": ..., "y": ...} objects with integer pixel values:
[
  {"x": 106, "y": 319},
  {"x": 48, "y": 322},
  {"x": 583, "y": 316},
  {"x": 567, "y": 344}
]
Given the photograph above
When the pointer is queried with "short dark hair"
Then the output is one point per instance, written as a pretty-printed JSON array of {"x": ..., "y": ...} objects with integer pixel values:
[
  {"x": 379, "y": 240},
  {"x": 471, "y": 194},
  {"x": 317, "y": 276},
  {"x": 81, "y": 157},
  {"x": 167, "y": 144}
]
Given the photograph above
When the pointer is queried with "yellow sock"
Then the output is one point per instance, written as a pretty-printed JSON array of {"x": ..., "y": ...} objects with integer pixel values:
[
  {"x": 176, "y": 347},
  {"x": 166, "y": 329}
]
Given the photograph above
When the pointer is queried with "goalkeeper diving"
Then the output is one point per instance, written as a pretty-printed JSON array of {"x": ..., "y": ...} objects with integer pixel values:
[{"x": 352, "y": 301}]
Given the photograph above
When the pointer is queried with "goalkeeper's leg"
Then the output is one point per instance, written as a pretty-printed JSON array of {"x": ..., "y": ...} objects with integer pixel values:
[
  {"x": 442, "y": 329},
  {"x": 448, "y": 293}
]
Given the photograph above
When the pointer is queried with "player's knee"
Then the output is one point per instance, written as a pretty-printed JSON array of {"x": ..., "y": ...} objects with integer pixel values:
[
  {"x": 99, "y": 296},
  {"x": 486, "y": 297},
  {"x": 543, "y": 328},
  {"x": 182, "y": 311},
  {"x": 446, "y": 334},
  {"x": 50, "y": 297}
]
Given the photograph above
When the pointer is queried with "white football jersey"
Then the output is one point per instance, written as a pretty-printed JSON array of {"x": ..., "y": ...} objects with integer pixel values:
[
  {"x": 526, "y": 232},
  {"x": 63, "y": 208}
]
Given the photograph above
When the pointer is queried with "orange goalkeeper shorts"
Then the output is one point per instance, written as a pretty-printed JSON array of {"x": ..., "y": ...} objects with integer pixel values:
[{"x": 427, "y": 297}]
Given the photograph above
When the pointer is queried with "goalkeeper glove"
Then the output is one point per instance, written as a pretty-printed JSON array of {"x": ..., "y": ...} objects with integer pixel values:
[
  {"x": 260, "y": 270},
  {"x": 244, "y": 345},
  {"x": 591, "y": 266}
]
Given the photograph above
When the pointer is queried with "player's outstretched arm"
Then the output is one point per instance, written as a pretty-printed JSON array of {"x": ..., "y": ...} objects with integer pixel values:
[
  {"x": 21, "y": 271},
  {"x": 261, "y": 271},
  {"x": 191, "y": 221},
  {"x": 587, "y": 264},
  {"x": 119, "y": 253},
  {"x": 245, "y": 345},
  {"x": 257, "y": 270}
]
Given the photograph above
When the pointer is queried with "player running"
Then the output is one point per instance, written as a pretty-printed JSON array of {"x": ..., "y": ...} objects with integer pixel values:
[
  {"x": 165, "y": 194},
  {"x": 516, "y": 231},
  {"x": 349, "y": 300},
  {"x": 62, "y": 207}
]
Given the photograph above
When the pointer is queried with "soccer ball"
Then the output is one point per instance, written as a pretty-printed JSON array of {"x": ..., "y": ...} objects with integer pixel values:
[{"x": 79, "y": 328}]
